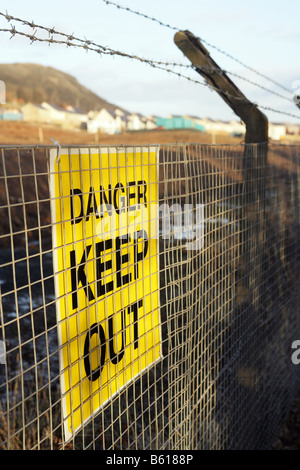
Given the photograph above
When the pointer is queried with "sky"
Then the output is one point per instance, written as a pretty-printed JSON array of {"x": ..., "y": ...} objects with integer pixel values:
[{"x": 264, "y": 35}]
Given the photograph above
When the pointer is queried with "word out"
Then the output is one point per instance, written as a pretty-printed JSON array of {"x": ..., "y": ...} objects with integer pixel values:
[{"x": 97, "y": 329}]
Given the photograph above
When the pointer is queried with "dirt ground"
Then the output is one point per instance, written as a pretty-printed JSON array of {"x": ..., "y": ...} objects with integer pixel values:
[
  {"x": 31, "y": 134},
  {"x": 14, "y": 133}
]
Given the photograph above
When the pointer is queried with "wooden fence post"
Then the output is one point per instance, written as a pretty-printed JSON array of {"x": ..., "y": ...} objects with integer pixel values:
[
  {"x": 256, "y": 122},
  {"x": 255, "y": 157}
]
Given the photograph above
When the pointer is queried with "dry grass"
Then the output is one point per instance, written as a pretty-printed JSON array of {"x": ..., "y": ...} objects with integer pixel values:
[
  {"x": 31, "y": 424},
  {"x": 289, "y": 438},
  {"x": 18, "y": 133},
  {"x": 15, "y": 133}
]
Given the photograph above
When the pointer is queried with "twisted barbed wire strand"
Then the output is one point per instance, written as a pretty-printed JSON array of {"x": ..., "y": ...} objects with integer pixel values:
[
  {"x": 92, "y": 46},
  {"x": 218, "y": 49}
]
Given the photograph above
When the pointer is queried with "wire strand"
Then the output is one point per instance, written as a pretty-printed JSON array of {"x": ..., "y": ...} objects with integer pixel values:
[
  {"x": 161, "y": 23},
  {"x": 88, "y": 45},
  {"x": 71, "y": 37},
  {"x": 221, "y": 51}
]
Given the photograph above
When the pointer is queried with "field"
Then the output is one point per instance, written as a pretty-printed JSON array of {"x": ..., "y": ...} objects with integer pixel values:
[
  {"x": 14, "y": 133},
  {"x": 31, "y": 134}
]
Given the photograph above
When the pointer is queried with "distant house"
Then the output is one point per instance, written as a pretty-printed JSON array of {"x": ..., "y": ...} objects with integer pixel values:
[
  {"x": 35, "y": 113},
  {"x": 74, "y": 117},
  {"x": 179, "y": 122},
  {"x": 171, "y": 122},
  {"x": 219, "y": 127},
  {"x": 123, "y": 116},
  {"x": 206, "y": 123},
  {"x": 277, "y": 131},
  {"x": 11, "y": 114},
  {"x": 135, "y": 122},
  {"x": 106, "y": 121},
  {"x": 150, "y": 122},
  {"x": 57, "y": 115},
  {"x": 293, "y": 129},
  {"x": 201, "y": 124},
  {"x": 116, "y": 121},
  {"x": 195, "y": 122},
  {"x": 47, "y": 113},
  {"x": 236, "y": 128}
]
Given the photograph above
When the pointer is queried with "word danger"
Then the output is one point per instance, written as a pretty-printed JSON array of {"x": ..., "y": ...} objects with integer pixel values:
[
  {"x": 120, "y": 198},
  {"x": 130, "y": 312},
  {"x": 119, "y": 251}
]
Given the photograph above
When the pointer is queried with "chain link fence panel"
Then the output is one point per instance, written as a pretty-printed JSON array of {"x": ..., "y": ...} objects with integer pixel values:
[{"x": 229, "y": 307}]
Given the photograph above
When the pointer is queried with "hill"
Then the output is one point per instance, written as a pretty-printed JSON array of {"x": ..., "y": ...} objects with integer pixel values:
[{"x": 36, "y": 83}]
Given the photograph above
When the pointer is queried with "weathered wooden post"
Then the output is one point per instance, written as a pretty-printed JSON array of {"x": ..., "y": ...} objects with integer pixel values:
[
  {"x": 255, "y": 121},
  {"x": 255, "y": 156},
  {"x": 246, "y": 266}
]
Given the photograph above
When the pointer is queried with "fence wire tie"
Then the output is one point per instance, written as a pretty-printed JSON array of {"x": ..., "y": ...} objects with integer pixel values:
[{"x": 58, "y": 149}]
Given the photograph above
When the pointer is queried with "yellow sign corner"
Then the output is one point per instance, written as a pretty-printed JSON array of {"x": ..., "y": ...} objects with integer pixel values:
[{"x": 106, "y": 264}]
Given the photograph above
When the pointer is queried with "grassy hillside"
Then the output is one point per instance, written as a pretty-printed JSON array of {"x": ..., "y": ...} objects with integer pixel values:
[{"x": 36, "y": 83}]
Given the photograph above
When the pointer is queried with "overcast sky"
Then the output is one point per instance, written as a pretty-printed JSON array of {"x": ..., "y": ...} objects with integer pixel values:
[{"x": 265, "y": 35}]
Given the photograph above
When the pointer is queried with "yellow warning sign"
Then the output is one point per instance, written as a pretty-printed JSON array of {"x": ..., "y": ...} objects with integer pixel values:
[{"x": 106, "y": 263}]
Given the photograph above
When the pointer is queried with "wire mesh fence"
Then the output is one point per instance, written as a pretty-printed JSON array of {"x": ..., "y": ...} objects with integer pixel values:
[{"x": 219, "y": 374}]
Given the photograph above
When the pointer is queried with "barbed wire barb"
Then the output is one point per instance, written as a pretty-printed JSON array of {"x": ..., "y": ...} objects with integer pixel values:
[
  {"x": 13, "y": 32},
  {"x": 8, "y": 17}
]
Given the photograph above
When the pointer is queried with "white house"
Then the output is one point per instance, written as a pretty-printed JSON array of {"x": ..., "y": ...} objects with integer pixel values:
[
  {"x": 68, "y": 117},
  {"x": 74, "y": 117},
  {"x": 207, "y": 123},
  {"x": 292, "y": 129},
  {"x": 150, "y": 122},
  {"x": 57, "y": 114},
  {"x": 117, "y": 120},
  {"x": 219, "y": 127},
  {"x": 135, "y": 122},
  {"x": 35, "y": 113},
  {"x": 46, "y": 113},
  {"x": 276, "y": 131},
  {"x": 236, "y": 127},
  {"x": 106, "y": 121}
]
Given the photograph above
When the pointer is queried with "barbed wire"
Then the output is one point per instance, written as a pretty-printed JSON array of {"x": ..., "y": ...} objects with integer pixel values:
[
  {"x": 221, "y": 71},
  {"x": 86, "y": 42},
  {"x": 88, "y": 45},
  {"x": 99, "y": 49},
  {"x": 221, "y": 51},
  {"x": 105, "y": 49},
  {"x": 161, "y": 23}
]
